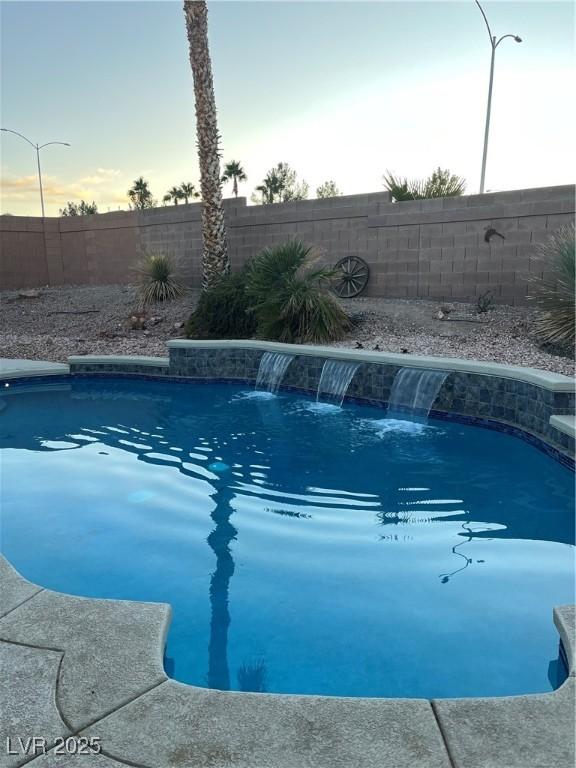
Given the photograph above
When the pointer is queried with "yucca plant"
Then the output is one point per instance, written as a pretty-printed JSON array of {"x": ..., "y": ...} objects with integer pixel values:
[
  {"x": 157, "y": 282},
  {"x": 555, "y": 296},
  {"x": 290, "y": 296}
]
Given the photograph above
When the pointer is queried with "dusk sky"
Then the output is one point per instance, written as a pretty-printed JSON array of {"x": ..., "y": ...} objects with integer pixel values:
[{"x": 340, "y": 90}]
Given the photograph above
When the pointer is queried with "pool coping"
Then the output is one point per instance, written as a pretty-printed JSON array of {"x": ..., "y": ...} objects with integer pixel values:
[
  {"x": 565, "y": 424},
  {"x": 31, "y": 368},
  {"x": 153, "y": 362},
  {"x": 146, "y": 719},
  {"x": 85, "y": 675}
]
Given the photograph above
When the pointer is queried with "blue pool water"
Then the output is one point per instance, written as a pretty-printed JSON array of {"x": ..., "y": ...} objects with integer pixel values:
[{"x": 304, "y": 549}]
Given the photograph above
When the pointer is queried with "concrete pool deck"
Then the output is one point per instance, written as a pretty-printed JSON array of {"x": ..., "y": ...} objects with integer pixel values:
[{"x": 73, "y": 666}]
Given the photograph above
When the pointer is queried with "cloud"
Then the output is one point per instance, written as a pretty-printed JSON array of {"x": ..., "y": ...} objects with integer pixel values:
[
  {"x": 102, "y": 186},
  {"x": 102, "y": 176},
  {"x": 25, "y": 183}
]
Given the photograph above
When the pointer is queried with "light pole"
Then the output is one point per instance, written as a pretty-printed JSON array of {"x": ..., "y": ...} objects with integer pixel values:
[
  {"x": 494, "y": 44},
  {"x": 37, "y": 148}
]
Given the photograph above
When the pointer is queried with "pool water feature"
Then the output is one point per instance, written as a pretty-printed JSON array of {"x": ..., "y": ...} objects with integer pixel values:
[
  {"x": 302, "y": 552},
  {"x": 334, "y": 381},
  {"x": 414, "y": 391},
  {"x": 273, "y": 366}
]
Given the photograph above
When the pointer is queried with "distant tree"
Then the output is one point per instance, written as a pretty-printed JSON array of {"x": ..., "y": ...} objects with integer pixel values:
[
  {"x": 79, "y": 209},
  {"x": 167, "y": 199},
  {"x": 441, "y": 183},
  {"x": 234, "y": 172},
  {"x": 188, "y": 191},
  {"x": 174, "y": 194},
  {"x": 140, "y": 196},
  {"x": 328, "y": 189},
  {"x": 280, "y": 185},
  {"x": 290, "y": 188},
  {"x": 269, "y": 190}
]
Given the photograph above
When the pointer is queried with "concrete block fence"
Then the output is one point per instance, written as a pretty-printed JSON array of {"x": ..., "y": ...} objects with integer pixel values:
[{"x": 429, "y": 249}]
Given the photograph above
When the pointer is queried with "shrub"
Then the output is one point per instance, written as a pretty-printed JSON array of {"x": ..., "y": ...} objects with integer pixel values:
[
  {"x": 79, "y": 209},
  {"x": 555, "y": 296},
  {"x": 281, "y": 295},
  {"x": 484, "y": 302},
  {"x": 290, "y": 296},
  {"x": 157, "y": 282},
  {"x": 441, "y": 183},
  {"x": 222, "y": 311}
]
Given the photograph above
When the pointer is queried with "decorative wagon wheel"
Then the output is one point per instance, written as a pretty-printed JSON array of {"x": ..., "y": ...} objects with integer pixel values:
[{"x": 353, "y": 277}]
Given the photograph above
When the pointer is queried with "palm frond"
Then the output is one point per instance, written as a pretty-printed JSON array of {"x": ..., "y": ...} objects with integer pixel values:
[
  {"x": 290, "y": 296},
  {"x": 441, "y": 183}
]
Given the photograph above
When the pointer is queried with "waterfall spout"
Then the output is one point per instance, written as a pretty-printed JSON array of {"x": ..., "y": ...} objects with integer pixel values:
[
  {"x": 414, "y": 391},
  {"x": 335, "y": 380},
  {"x": 273, "y": 366}
]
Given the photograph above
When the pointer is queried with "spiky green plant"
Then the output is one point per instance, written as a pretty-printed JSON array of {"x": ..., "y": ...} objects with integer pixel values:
[
  {"x": 441, "y": 183},
  {"x": 223, "y": 311},
  {"x": 157, "y": 281},
  {"x": 290, "y": 296},
  {"x": 555, "y": 295}
]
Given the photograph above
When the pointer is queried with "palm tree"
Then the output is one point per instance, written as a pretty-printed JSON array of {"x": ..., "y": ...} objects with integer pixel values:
[
  {"x": 174, "y": 194},
  {"x": 215, "y": 261},
  {"x": 266, "y": 194},
  {"x": 270, "y": 189},
  {"x": 234, "y": 172},
  {"x": 140, "y": 195},
  {"x": 188, "y": 191}
]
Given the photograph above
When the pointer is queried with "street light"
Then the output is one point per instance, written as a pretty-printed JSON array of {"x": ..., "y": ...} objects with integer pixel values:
[
  {"x": 37, "y": 148},
  {"x": 494, "y": 44}
]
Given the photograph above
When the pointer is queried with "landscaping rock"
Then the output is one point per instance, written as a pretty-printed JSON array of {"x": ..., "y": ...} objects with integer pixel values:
[{"x": 392, "y": 324}]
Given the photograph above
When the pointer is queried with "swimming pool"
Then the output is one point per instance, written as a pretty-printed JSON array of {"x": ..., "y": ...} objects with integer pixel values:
[{"x": 303, "y": 549}]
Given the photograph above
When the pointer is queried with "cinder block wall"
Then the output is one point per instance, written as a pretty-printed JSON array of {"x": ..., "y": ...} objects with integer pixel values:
[
  {"x": 426, "y": 249},
  {"x": 436, "y": 248}
]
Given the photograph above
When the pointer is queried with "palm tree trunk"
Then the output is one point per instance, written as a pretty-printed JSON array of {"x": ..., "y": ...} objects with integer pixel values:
[
  {"x": 235, "y": 186},
  {"x": 215, "y": 261}
]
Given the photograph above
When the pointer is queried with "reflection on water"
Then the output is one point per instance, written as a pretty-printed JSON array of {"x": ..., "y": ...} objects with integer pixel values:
[
  {"x": 252, "y": 677},
  {"x": 219, "y": 541},
  {"x": 318, "y": 520}
]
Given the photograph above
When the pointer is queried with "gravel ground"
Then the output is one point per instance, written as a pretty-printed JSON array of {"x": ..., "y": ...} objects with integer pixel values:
[{"x": 80, "y": 320}]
